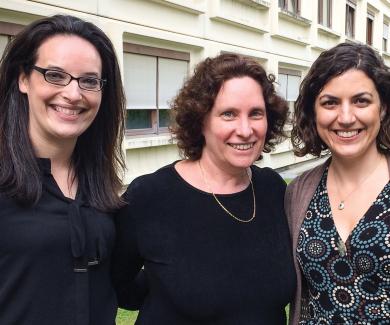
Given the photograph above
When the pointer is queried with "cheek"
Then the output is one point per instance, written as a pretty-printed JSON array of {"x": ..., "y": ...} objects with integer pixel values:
[
  {"x": 95, "y": 102},
  {"x": 323, "y": 119},
  {"x": 261, "y": 128}
]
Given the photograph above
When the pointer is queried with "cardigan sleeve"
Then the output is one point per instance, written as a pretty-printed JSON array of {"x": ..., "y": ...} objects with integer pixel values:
[{"x": 288, "y": 206}]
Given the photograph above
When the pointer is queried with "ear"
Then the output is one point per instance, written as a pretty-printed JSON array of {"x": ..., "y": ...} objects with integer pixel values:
[{"x": 23, "y": 83}]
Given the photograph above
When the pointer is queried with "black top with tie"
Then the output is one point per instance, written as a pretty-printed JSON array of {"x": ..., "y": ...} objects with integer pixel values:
[{"x": 55, "y": 260}]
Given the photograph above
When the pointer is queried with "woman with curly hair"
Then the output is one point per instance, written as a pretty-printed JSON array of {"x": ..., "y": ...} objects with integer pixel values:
[
  {"x": 210, "y": 229},
  {"x": 339, "y": 212}
]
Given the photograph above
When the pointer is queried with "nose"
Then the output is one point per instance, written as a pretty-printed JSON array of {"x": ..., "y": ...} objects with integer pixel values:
[
  {"x": 244, "y": 128},
  {"x": 72, "y": 92},
  {"x": 346, "y": 114}
]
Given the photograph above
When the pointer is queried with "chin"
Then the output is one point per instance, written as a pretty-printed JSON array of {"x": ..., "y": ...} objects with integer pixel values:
[
  {"x": 348, "y": 154},
  {"x": 242, "y": 164},
  {"x": 68, "y": 135}
]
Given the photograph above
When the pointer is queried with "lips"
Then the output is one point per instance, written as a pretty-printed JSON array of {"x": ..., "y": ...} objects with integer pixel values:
[
  {"x": 242, "y": 146},
  {"x": 347, "y": 134},
  {"x": 67, "y": 111}
]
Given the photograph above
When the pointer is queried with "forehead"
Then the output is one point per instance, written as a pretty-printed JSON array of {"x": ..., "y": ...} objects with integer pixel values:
[
  {"x": 240, "y": 88},
  {"x": 69, "y": 52},
  {"x": 352, "y": 80}
]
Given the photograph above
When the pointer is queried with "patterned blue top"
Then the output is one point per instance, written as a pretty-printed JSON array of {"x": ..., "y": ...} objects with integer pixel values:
[{"x": 347, "y": 284}]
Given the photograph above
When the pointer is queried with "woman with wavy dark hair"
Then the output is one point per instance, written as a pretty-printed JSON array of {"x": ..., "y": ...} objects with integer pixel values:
[
  {"x": 210, "y": 229},
  {"x": 339, "y": 212},
  {"x": 61, "y": 122}
]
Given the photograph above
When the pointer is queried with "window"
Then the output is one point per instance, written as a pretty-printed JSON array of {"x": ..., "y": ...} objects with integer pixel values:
[
  {"x": 289, "y": 81},
  {"x": 385, "y": 36},
  {"x": 325, "y": 13},
  {"x": 4, "y": 39},
  {"x": 152, "y": 78},
  {"x": 7, "y": 30},
  {"x": 370, "y": 27},
  {"x": 290, "y": 5},
  {"x": 350, "y": 19}
]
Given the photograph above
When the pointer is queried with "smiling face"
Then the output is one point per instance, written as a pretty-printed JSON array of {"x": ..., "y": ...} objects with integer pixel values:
[
  {"x": 61, "y": 113},
  {"x": 348, "y": 112},
  {"x": 236, "y": 126}
]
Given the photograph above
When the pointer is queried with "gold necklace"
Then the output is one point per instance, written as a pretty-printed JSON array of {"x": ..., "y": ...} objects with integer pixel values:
[
  {"x": 341, "y": 205},
  {"x": 219, "y": 202}
]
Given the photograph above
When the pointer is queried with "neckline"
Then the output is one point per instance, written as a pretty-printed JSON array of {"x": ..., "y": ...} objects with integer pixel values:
[
  {"x": 361, "y": 219},
  {"x": 189, "y": 185}
]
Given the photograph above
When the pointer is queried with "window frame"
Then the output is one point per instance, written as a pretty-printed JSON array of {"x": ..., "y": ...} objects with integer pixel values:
[
  {"x": 293, "y": 73},
  {"x": 9, "y": 30},
  {"x": 157, "y": 53},
  {"x": 350, "y": 9},
  {"x": 328, "y": 23},
  {"x": 385, "y": 39},
  {"x": 370, "y": 28},
  {"x": 296, "y": 8}
]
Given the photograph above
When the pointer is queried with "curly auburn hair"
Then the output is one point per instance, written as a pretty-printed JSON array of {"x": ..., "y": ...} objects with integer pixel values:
[
  {"x": 197, "y": 96},
  {"x": 330, "y": 64}
]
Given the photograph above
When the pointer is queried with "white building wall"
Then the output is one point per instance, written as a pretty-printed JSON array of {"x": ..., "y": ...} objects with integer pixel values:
[{"x": 279, "y": 39}]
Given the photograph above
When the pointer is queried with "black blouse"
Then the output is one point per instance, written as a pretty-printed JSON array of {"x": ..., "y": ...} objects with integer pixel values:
[
  {"x": 201, "y": 265},
  {"x": 54, "y": 260}
]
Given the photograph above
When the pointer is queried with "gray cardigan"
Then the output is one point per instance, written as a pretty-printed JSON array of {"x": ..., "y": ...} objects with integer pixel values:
[{"x": 298, "y": 195}]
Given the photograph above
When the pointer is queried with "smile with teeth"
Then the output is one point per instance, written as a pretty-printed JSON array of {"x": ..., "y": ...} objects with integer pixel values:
[
  {"x": 67, "y": 111},
  {"x": 242, "y": 146},
  {"x": 347, "y": 134}
]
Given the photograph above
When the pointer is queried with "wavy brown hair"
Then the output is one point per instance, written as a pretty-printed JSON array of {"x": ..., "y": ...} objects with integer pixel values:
[
  {"x": 196, "y": 99},
  {"x": 330, "y": 64}
]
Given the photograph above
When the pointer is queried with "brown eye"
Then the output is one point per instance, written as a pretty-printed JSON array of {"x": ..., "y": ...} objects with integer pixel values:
[
  {"x": 329, "y": 103},
  {"x": 90, "y": 82},
  {"x": 56, "y": 76}
]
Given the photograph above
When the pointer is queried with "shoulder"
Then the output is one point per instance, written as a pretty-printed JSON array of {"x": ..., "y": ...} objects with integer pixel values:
[
  {"x": 310, "y": 177},
  {"x": 304, "y": 185},
  {"x": 150, "y": 184},
  {"x": 267, "y": 177}
]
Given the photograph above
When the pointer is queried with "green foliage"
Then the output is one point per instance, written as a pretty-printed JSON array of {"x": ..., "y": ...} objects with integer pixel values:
[{"x": 126, "y": 317}]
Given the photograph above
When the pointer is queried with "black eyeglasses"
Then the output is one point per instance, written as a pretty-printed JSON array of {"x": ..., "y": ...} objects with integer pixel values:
[{"x": 61, "y": 78}]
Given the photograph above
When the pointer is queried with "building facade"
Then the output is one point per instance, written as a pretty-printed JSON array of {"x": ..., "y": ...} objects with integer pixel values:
[{"x": 159, "y": 42}]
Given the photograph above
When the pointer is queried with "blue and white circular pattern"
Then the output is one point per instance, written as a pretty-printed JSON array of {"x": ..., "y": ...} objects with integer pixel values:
[{"x": 346, "y": 289}]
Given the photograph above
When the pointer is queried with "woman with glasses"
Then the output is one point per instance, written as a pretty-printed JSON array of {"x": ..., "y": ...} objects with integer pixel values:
[{"x": 61, "y": 122}]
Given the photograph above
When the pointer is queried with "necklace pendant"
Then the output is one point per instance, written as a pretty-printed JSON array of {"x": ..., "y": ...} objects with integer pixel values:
[
  {"x": 342, "y": 248},
  {"x": 341, "y": 205}
]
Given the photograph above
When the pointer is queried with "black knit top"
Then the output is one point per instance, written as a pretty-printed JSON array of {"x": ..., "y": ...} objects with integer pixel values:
[{"x": 201, "y": 265}]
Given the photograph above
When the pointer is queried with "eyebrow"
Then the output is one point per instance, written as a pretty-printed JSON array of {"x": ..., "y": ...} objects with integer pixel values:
[
  {"x": 54, "y": 67},
  {"x": 354, "y": 96}
]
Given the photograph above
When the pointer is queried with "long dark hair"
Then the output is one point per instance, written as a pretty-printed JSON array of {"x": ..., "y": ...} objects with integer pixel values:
[
  {"x": 330, "y": 64},
  {"x": 97, "y": 157}
]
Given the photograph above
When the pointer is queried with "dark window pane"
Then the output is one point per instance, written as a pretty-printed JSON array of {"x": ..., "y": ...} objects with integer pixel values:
[
  {"x": 369, "y": 31},
  {"x": 138, "y": 119},
  {"x": 164, "y": 118}
]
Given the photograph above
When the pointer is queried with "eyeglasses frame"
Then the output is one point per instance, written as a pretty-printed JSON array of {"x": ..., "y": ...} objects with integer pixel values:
[{"x": 43, "y": 72}]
